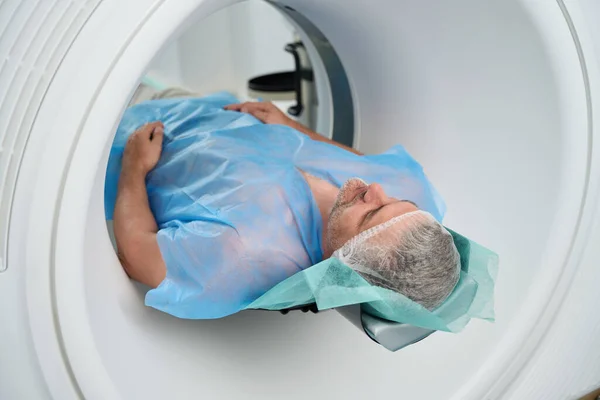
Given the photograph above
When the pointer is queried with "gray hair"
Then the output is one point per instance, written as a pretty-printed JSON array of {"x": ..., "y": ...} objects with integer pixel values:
[{"x": 412, "y": 254}]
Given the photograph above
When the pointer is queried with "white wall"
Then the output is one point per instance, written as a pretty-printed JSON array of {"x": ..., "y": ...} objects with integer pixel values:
[
  {"x": 226, "y": 49},
  {"x": 166, "y": 68},
  {"x": 205, "y": 54},
  {"x": 262, "y": 49}
]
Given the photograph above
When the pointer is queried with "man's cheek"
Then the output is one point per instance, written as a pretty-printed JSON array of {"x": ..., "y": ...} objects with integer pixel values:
[{"x": 349, "y": 223}]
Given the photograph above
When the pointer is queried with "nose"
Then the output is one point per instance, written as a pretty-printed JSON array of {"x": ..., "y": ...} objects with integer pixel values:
[{"x": 376, "y": 194}]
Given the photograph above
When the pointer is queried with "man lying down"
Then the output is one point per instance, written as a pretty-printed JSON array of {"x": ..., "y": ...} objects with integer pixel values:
[{"x": 216, "y": 203}]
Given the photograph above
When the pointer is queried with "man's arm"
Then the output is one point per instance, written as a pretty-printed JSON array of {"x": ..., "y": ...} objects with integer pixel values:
[
  {"x": 270, "y": 114},
  {"x": 320, "y": 138},
  {"x": 134, "y": 225}
]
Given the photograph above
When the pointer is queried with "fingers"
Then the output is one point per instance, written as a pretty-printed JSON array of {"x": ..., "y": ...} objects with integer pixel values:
[
  {"x": 149, "y": 127},
  {"x": 259, "y": 110},
  {"x": 158, "y": 136},
  {"x": 157, "y": 133},
  {"x": 261, "y": 115},
  {"x": 233, "y": 107},
  {"x": 150, "y": 130},
  {"x": 249, "y": 107},
  {"x": 144, "y": 147}
]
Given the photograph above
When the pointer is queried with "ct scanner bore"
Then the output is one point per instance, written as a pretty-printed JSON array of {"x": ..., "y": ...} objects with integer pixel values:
[{"x": 497, "y": 100}]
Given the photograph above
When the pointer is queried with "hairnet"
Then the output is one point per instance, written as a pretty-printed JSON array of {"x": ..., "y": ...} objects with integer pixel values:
[{"x": 412, "y": 254}]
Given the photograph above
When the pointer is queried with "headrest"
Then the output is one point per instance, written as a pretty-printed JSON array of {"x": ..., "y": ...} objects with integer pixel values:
[{"x": 331, "y": 284}]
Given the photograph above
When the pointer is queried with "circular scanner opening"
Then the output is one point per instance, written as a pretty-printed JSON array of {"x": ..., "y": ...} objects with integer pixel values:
[{"x": 473, "y": 106}]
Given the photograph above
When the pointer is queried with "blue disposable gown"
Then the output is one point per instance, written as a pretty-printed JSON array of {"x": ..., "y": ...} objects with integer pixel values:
[{"x": 235, "y": 214}]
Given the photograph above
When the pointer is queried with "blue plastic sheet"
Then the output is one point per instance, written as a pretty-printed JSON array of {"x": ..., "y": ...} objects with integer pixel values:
[{"x": 236, "y": 216}]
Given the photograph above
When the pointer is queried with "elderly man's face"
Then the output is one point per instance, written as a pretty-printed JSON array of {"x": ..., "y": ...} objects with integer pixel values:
[{"x": 359, "y": 207}]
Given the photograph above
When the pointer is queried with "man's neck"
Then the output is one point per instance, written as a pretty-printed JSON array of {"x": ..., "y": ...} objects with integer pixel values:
[{"x": 325, "y": 195}]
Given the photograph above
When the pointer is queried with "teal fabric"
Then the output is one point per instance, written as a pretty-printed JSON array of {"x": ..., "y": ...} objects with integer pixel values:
[{"x": 332, "y": 284}]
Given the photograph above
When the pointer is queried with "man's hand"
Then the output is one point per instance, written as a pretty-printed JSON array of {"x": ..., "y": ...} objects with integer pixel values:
[
  {"x": 143, "y": 148},
  {"x": 263, "y": 111},
  {"x": 270, "y": 114}
]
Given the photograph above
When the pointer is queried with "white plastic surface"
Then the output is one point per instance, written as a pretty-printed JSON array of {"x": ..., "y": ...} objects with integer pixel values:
[{"x": 496, "y": 99}]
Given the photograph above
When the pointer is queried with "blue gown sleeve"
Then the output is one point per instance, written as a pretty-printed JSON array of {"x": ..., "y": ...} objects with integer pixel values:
[{"x": 206, "y": 275}]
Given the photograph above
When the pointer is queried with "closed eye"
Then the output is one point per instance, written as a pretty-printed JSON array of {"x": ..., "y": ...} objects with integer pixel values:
[{"x": 370, "y": 215}]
